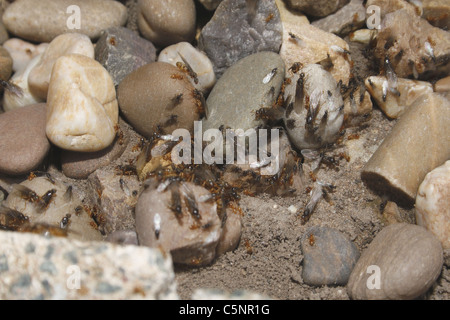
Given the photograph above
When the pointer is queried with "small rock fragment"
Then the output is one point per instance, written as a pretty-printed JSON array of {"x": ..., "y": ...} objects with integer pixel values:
[
  {"x": 364, "y": 36},
  {"x": 391, "y": 213},
  {"x": 401, "y": 263},
  {"x": 433, "y": 203},
  {"x": 317, "y": 8}
]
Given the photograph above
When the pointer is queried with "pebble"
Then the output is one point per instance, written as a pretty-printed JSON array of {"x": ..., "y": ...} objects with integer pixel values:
[
  {"x": 238, "y": 29},
  {"x": 122, "y": 51},
  {"x": 6, "y": 64},
  {"x": 433, "y": 12},
  {"x": 158, "y": 95},
  {"x": 23, "y": 143},
  {"x": 231, "y": 233},
  {"x": 115, "y": 196},
  {"x": 210, "y": 5},
  {"x": 62, "y": 269},
  {"x": 405, "y": 37},
  {"x": 123, "y": 237},
  {"x": 39, "y": 77},
  {"x": 12, "y": 100},
  {"x": 192, "y": 61},
  {"x": 442, "y": 85},
  {"x": 79, "y": 225},
  {"x": 322, "y": 92},
  {"x": 391, "y": 213},
  {"x": 49, "y": 18},
  {"x": 433, "y": 203},
  {"x": 394, "y": 105},
  {"x": 401, "y": 263},
  {"x": 3, "y": 33},
  {"x": 317, "y": 8},
  {"x": 347, "y": 19},
  {"x": 82, "y": 110},
  {"x": 358, "y": 109},
  {"x": 190, "y": 240},
  {"x": 22, "y": 52},
  {"x": 364, "y": 36},
  {"x": 241, "y": 91},
  {"x": 329, "y": 257},
  {"x": 388, "y": 6},
  {"x": 79, "y": 165},
  {"x": 167, "y": 22}
]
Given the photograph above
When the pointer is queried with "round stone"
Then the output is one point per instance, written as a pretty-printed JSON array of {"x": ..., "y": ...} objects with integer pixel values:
[{"x": 22, "y": 52}]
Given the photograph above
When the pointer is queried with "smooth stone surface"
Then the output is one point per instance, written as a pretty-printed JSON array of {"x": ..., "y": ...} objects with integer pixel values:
[
  {"x": 34, "y": 267},
  {"x": 6, "y": 64},
  {"x": 189, "y": 58},
  {"x": 443, "y": 85},
  {"x": 13, "y": 100},
  {"x": 79, "y": 165},
  {"x": 240, "y": 92},
  {"x": 22, "y": 52},
  {"x": 190, "y": 240},
  {"x": 317, "y": 8},
  {"x": 82, "y": 110},
  {"x": 329, "y": 257},
  {"x": 393, "y": 105},
  {"x": 80, "y": 225},
  {"x": 347, "y": 19},
  {"x": 49, "y": 18},
  {"x": 158, "y": 95},
  {"x": 167, "y": 22},
  {"x": 39, "y": 77},
  {"x": 433, "y": 203},
  {"x": 23, "y": 143},
  {"x": 409, "y": 258},
  {"x": 238, "y": 29},
  {"x": 121, "y": 51}
]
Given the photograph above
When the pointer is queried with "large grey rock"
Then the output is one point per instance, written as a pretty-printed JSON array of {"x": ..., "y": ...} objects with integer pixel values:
[
  {"x": 240, "y": 28},
  {"x": 33, "y": 267}
]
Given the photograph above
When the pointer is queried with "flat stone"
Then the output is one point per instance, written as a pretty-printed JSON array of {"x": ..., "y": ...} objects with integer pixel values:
[
  {"x": 347, "y": 19},
  {"x": 49, "y": 18},
  {"x": 82, "y": 109},
  {"x": 22, "y": 52},
  {"x": 401, "y": 263},
  {"x": 167, "y": 22},
  {"x": 23, "y": 143},
  {"x": 317, "y": 8},
  {"x": 238, "y": 29},
  {"x": 72, "y": 271},
  {"x": 242, "y": 90},
  {"x": 329, "y": 257},
  {"x": 158, "y": 97},
  {"x": 122, "y": 51},
  {"x": 433, "y": 203}
]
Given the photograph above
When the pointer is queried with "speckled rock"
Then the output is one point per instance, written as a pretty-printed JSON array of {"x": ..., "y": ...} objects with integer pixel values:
[
  {"x": 433, "y": 203},
  {"x": 22, "y": 52},
  {"x": 167, "y": 22},
  {"x": 64, "y": 211},
  {"x": 49, "y": 18},
  {"x": 39, "y": 77},
  {"x": 238, "y": 29},
  {"x": 122, "y": 51},
  {"x": 6, "y": 64},
  {"x": 317, "y": 8},
  {"x": 329, "y": 257},
  {"x": 23, "y": 143},
  {"x": 82, "y": 110},
  {"x": 158, "y": 96},
  {"x": 402, "y": 262},
  {"x": 33, "y": 267},
  {"x": 242, "y": 90},
  {"x": 347, "y": 19},
  {"x": 167, "y": 219},
  {"x": 193, "y": 62}
]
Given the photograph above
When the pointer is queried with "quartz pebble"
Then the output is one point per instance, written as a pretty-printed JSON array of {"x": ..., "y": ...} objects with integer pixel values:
[
  {"x": 23, "y": 143},
  {"x": 329, "y": 257},
  {"x": 167, "y": 22},
  {"x": 158, "y": 97},
  {"x": 394, "y": 104},
  {"x": 49, "y": 18},
  {"x": 62, "y": 205},
  {"x": 195, "y": 63},
  {"x": 401, "y": 263},
  {"x": 238, "y": 29},
  {"x": 317, "y": 8},
  {"x": 47, "y": 269},
  {"x": 122, "y": 51},
  {"x": 161, "y": 223},
  {"x": 82, "y": 110},
  {"x": 433, "y": 203},
  {"x": 39, "y": 77},
  {"x": 22, "y": 52}
]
